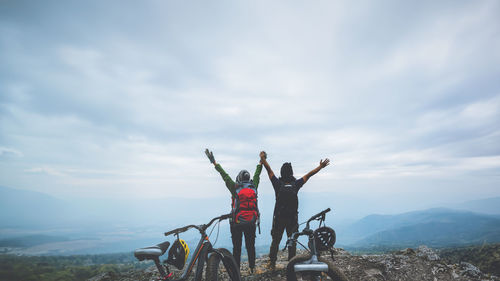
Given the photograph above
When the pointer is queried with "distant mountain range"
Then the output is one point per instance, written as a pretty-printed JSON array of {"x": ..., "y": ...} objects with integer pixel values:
[
  {"x": 22, "y": 208},
  {"x": 486, "y": 206},
  {"x": 31, "y": 240},
  {"x": 433, "y": 227},
  {"x": 91, "y": 226},
  {"x": 35, "y": 210}
]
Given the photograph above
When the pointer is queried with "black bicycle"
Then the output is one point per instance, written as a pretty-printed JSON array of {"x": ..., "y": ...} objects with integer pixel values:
[
  {"x": 178, "y": 253},
  {"x": 311, "y": 266}
]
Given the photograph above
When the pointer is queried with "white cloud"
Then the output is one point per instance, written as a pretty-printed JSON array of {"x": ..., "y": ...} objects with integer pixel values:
[
  {"x": 6, "y": 151},
  {"x": 46, "y": 170},
  {"x": 131, "y": 110},
  {"x": 476, "y": 115}
]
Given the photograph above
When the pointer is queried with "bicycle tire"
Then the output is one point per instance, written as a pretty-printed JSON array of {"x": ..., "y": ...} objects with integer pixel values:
[
  {"x": 214, "y": 272},
  {"x": 333, "y": 272}
]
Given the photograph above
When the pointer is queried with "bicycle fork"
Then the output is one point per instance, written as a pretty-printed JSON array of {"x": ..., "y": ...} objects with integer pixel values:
[{"x": 312, "y": 264}]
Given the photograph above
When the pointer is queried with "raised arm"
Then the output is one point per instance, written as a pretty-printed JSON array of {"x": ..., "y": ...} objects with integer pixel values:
[
  {"x": 263, "y": 160},
  {"x": 227, "y": 179},
  {"x": 256, "y": 175},
  {"x": 321, "y": 165}
]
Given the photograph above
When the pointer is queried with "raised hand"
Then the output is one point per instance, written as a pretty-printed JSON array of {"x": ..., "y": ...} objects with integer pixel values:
[
  {"x": 210, "y": 156},
  {"x": 263, "y": 155},
  {"x": 324, "y": 163}
]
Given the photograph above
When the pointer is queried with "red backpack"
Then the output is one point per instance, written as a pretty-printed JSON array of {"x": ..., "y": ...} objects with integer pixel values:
[{"x": 244, "y": 207}]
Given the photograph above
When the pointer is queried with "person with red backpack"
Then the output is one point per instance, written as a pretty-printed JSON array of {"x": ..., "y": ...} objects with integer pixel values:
[
  {"x": 287, "y": 204},
  {"x": 244, "y": 207}
]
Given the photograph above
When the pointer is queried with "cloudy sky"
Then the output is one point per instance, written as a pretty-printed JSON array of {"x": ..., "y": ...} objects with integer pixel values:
[{"x": 120, "y": 98}]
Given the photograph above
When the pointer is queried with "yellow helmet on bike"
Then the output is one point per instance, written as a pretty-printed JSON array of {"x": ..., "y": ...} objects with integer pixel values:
[{"x": 178, "y": 254}]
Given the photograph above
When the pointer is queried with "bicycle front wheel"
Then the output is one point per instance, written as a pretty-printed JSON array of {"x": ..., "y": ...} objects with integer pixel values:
[
  {"x": 228, "y": 270},
  {"x": 333, "y": 272},
  {"x": 201, "y": 262}
]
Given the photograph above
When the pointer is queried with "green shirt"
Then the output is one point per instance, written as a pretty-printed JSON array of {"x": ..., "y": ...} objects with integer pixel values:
[{"x": 231, "y": 185}]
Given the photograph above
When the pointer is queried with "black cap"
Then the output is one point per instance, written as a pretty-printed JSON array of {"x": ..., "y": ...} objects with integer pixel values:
[
  {"x": 287, "y": 171},
  {"x": 243, "y": 176}
]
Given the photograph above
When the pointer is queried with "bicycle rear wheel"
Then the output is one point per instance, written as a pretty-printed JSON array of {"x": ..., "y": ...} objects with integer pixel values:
[
  {"x": 333, "y": 272},
  {"x": 228, "y": 270}
]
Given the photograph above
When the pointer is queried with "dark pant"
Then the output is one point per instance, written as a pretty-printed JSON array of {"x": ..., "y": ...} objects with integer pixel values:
[
  {"x": 279, "y": 225},
  {"x": 236, "y": 234}
]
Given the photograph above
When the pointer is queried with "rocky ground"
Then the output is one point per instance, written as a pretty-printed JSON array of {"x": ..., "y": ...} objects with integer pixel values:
[{"x": 410, "y": 264}]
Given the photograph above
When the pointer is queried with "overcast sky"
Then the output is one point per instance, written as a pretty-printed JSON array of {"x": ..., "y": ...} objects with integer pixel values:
[{"x": 120, "y": 98}]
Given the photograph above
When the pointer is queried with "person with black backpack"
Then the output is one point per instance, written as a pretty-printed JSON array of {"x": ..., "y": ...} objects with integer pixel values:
[
  {"x": 244, "y": 209},
  {"x": 287, "y": 203}
]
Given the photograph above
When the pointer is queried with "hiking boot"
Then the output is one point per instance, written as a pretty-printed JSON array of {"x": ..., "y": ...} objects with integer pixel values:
[{"x": 271, "y": 265}]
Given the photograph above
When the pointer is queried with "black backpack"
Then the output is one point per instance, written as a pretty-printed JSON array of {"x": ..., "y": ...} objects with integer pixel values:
[{"x": 287, "y": 202}]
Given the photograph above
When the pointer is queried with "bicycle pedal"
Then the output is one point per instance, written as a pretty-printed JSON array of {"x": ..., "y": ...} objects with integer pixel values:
[{"x": 167, "y": 277}]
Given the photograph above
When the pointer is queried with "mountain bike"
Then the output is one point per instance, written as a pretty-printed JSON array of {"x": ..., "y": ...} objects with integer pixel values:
[
  {"x": 203, "y": 251},
  {"x": 311, "y": 266}
]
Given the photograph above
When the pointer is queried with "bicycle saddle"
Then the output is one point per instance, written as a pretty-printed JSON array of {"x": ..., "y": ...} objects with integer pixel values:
[{"x": 151, "y": 253}]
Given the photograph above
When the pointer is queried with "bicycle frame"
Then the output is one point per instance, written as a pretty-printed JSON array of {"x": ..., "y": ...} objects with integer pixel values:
[
  {"x": 312, "y": 264},
  {"x": 203, "y": 244}
]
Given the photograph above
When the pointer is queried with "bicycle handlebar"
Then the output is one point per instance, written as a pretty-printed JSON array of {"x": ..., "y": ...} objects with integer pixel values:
[
  {"x": 201, "y": 228},
  {"x": 306, "y": 230},
  {"x": 320, "y": 214},
  {"x": 180, "y": 229},
  {"x": 223, "y": 217}
]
